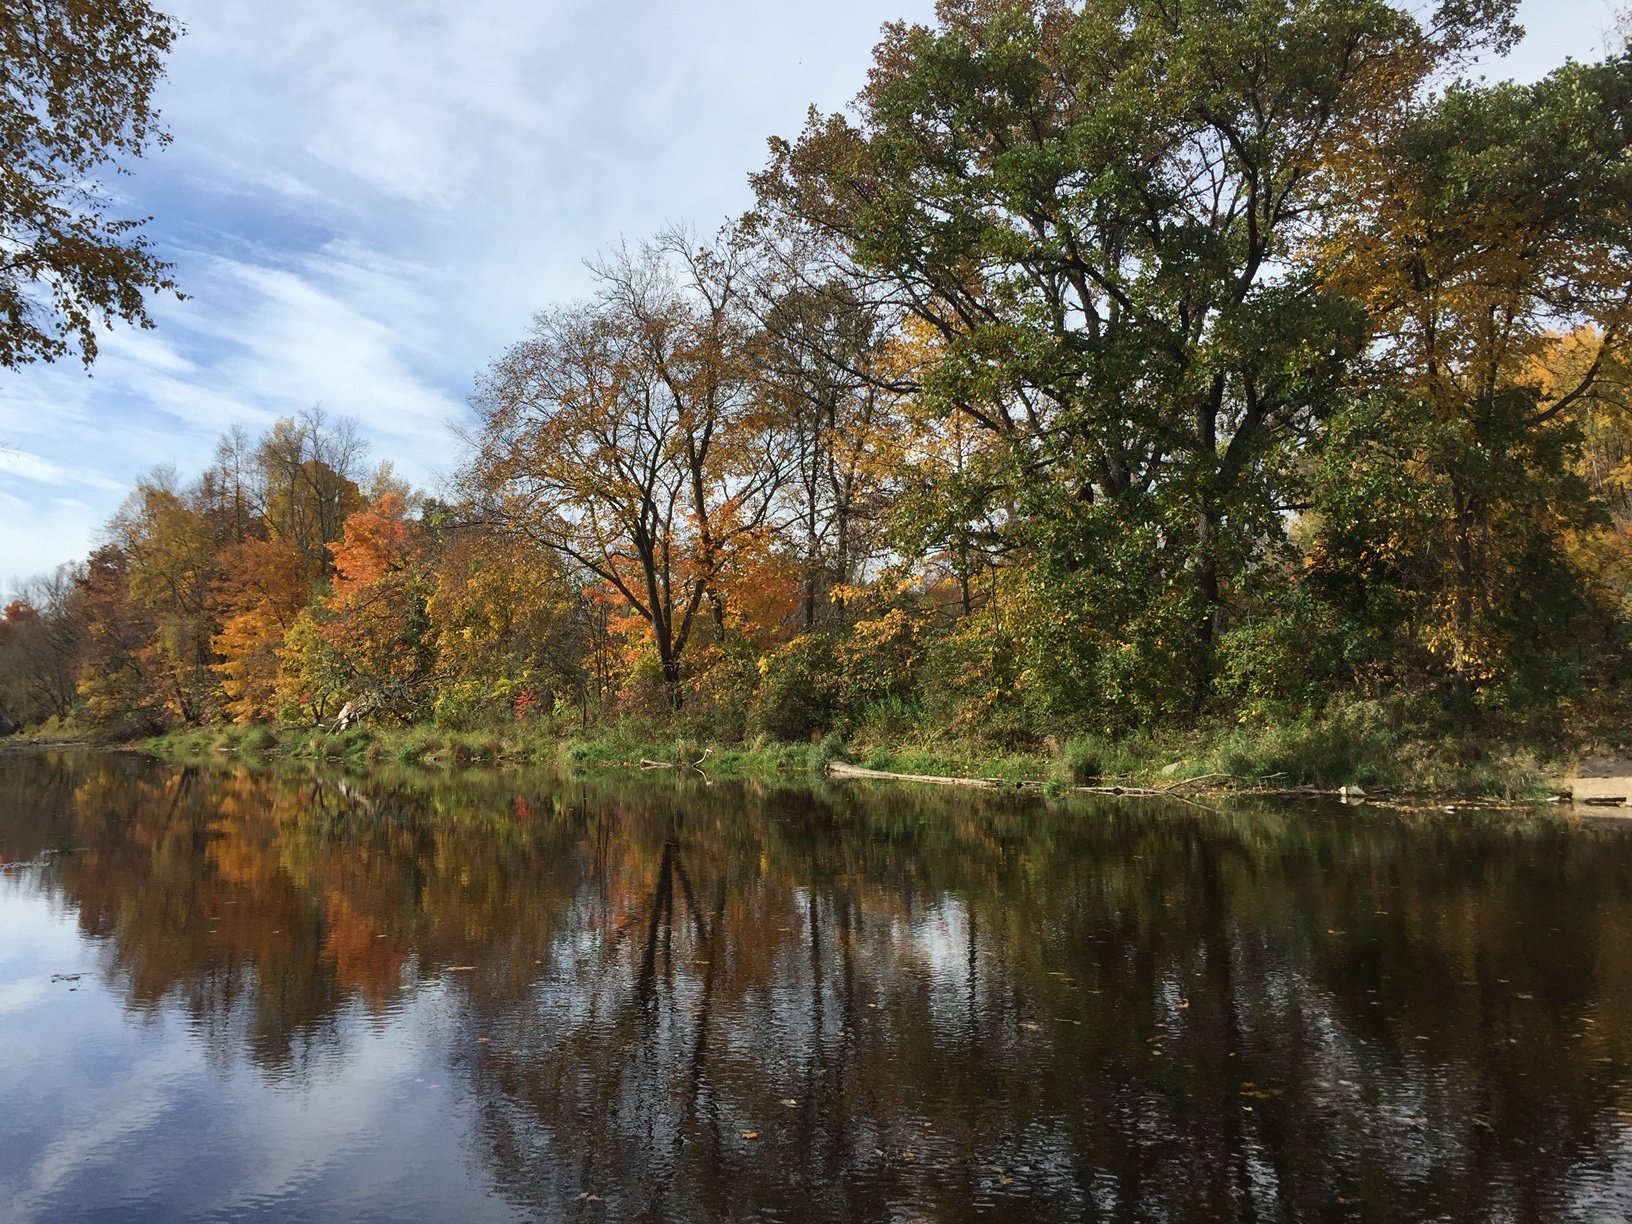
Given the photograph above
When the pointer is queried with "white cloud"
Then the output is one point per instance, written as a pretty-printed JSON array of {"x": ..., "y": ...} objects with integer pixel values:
[{"x": 32, "y": 467}]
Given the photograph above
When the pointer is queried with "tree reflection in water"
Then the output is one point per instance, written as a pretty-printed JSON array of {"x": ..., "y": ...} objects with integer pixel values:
[{"x": 678, "y": 1001}]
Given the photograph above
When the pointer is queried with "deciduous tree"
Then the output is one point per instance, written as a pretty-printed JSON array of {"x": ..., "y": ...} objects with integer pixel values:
[
  {"x": 377, "y": 621},
  {"x": 1499, "y": 221},
  {"x": 627, "y": 435},
  {"x": 77, "y": 79},
  {"x": 1103, "y": 213},
  {"x": 262, "y": 588}
]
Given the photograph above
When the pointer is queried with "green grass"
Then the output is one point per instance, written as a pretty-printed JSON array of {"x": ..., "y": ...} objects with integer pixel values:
[{"x": 1361, "y": 744}]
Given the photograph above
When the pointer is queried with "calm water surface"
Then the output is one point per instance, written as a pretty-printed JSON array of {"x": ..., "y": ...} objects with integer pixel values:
[{"x": 289, "y": 997}]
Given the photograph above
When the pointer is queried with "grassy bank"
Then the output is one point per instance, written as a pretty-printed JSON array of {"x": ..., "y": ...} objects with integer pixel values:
[
  {"x": 1353, "y": 745},
  {"x": 616, "y": 747},
  {"x": 1226, "y": 758}
]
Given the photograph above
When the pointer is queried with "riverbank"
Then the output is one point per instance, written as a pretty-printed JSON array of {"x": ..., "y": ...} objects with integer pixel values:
[{"x": 1352, "y": 749}]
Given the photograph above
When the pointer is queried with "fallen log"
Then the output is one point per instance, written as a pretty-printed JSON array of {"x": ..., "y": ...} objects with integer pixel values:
[{"x": 840, "y": 769}]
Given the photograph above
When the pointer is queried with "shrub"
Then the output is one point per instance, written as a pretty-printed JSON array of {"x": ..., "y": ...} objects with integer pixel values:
[
  {"x": 1080, "y": 761},
  {"x": 1351, "y": 743},
  {"x": 259, "y": 738},
  {"x": 831, "y": 748},
  {"x": 797, "y": 688}
]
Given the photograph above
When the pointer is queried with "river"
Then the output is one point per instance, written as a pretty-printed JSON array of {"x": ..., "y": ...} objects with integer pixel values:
[{"x": 237, "y": 993}]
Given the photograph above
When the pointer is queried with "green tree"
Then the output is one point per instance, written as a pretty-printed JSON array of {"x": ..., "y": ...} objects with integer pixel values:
[
  {"x": 1104, "y": 213},
  {"x": 76, "y": 97}
]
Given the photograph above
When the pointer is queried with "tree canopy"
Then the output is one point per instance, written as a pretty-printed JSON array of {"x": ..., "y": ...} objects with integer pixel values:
[{"x": 77, "y": 80}]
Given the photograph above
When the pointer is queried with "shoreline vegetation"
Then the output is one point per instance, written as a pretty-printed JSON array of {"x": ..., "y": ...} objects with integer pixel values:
[{"x": 1349, "y": 755}]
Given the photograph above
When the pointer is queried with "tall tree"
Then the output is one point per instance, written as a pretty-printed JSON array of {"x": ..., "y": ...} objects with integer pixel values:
[
  {"x": 260, "y": 591},
  {"x": 1102, "y": 210},
  {"x": 377, "y": 621},
  {"x": 171, "y": 553},
  {"x": 823, "y": 355},
  {"x": 77, "y": 79},
  {"x": 124, "y": 679},
  {"x": 309, "y": 467}
]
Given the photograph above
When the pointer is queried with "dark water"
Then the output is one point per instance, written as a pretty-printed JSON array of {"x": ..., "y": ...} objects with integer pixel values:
[{"x": 494, "y": 997}]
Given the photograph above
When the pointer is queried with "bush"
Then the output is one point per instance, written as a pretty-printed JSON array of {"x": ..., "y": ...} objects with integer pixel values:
[
  {"x": 972, "y": 683},
  {"x": 797, "y": 688},
  {"x": 831, "y": 748},
  {"x": 1080, "y": 761},
  {"x": 1350, "y": 743},
  {"x": 889, "y": 719},
  {"x": 259, "y": 738},
  {"x": 719, "y": 698}
]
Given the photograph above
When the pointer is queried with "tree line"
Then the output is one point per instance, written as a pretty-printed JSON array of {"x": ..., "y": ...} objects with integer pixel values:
[{"x": 1105, "y": 364}]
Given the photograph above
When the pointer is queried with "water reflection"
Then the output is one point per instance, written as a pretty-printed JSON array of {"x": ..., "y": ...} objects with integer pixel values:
[{"x": 643, "y": 1000}]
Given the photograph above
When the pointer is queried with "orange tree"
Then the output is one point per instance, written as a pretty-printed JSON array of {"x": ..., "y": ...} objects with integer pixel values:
[{"x": 626, "y": 435}]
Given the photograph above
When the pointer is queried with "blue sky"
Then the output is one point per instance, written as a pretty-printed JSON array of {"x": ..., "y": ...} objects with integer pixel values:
[{"x": 366, "y": 203}]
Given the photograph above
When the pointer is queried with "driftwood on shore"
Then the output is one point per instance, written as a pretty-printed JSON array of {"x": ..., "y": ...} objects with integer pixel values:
[
  {"x": 678, "y": 766},
  {"x": 839, "y": 769}
]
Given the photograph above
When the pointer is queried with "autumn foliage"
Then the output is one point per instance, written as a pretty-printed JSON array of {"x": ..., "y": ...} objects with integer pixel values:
[{"x": 1101, "y": 367}]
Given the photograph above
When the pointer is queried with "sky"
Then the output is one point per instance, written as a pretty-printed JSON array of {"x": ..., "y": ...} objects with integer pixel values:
[{"x": 367, "y": 202}]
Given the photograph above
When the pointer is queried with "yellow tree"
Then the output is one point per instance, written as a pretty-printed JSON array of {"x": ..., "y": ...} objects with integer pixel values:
[
  {"x": 262, "y": 588},
  {"x": 1499, "y": 217},
  {"x": 505, "y": 622},
  {"x": 308, "y": 469},
  {"x": 171, "y": 552}
]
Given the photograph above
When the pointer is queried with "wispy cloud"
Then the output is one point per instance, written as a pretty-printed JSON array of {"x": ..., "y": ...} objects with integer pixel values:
[{"x": 28, "y": 466}]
